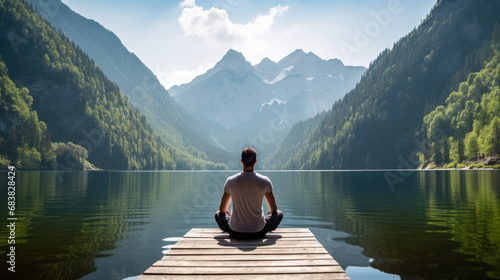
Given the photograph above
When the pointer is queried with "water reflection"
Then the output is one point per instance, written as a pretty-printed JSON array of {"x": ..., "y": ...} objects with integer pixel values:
[
  {"x": 435, "y": 225},
  {"x": 467, "y": 209},
  {"x": 111, "y": 225}
]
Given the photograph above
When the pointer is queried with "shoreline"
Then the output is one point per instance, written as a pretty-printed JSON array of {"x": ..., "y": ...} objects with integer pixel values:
[{"x": 488, "y": 163}]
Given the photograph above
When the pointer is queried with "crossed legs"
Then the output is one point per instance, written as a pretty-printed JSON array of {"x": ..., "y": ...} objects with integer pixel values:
[{"x": 273, "y": 220}]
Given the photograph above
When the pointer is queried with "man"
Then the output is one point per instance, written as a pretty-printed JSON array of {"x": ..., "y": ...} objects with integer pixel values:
[{"x": 247, "y": 189}]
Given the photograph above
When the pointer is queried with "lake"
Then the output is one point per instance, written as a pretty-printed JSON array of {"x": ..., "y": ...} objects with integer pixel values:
[{"x": 111, "y": 225}]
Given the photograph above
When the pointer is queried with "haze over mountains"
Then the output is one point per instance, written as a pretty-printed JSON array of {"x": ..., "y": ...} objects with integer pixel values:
[{"x": 234, "y": 92}]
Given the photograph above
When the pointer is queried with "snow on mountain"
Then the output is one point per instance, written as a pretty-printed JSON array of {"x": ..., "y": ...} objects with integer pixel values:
[
  {"x": 280, "y": 76},
  {"x": 270, "y": 103},
  {"x": 323, "y": 81},
  {"x": 245, "y": 98}
]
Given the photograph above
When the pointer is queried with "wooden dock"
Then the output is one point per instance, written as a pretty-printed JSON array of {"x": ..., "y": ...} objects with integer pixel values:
[{"x": 286, "y": 253}]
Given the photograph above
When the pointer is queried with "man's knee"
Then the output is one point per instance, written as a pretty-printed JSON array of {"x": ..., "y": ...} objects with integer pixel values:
[
  {"x": 274, "y": 220},
  {"x": 279, "y": 213},
  {"x": 279, "y": 216},
  {"x": 220, "y": 221},
  {"x": 219, "y": 217}
]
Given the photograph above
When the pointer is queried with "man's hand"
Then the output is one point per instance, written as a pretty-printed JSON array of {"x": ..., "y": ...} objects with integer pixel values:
[{"x": 228, "y": 213}]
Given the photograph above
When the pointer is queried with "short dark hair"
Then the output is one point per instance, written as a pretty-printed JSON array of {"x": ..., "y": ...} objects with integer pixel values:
[{"x": 249, "y": 156}]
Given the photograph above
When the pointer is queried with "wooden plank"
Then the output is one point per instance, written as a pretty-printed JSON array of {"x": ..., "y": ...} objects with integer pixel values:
[
  {"x": 248, "y": 263},
  {"x": 242, "y": 270},
  {"x": 242, "y": 257},
  {"x": 308, "y": 276},
  {"x": 288, "y": 253},
  {"x": 227, "y": 239},
  {"x": 256, "y": 251},
  {"x": 285, "y": 232},
  {"x": 215, "y": 245},
  {"x": 278, "y": 230},
  {"x": 241, "y": 246},
  {"x": 269, "y": 235}
]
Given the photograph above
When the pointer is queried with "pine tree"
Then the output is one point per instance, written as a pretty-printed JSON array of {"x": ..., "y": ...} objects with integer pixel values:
[{"x": 471, "y": 146}]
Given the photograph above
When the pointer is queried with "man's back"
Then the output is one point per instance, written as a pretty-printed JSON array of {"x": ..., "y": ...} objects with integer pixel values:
[{"x": 247, "y": 190}]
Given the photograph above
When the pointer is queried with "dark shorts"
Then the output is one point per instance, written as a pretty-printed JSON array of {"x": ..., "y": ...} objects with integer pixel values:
[{"x": 272, "y": 222}]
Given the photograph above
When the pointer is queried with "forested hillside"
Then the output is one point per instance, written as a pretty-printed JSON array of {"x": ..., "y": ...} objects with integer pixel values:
[
  {"x": 467, "y": 126},
  {"x": 379, "y": 121},
  {"x": 136, "y": 81},
  {"x": 75, "y": 100},
  {"x": 296, "y": 140},
  {"x": 23, "y": 138}
]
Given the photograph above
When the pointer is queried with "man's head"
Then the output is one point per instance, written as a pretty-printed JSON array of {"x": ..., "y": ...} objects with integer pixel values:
[{"x": 248, "y": 157}]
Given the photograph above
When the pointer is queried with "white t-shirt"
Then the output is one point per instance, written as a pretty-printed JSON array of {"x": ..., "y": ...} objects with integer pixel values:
[{"x": 247, "y": 191}]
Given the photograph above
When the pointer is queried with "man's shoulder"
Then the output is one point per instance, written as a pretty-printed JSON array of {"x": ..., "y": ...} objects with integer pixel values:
[
  {"x": 262, "y": 177},
  {"x": 248, "y": 175},
  {"x": 233, "y": 177}
]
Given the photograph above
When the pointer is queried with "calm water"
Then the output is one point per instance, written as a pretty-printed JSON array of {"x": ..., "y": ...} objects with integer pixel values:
[{"x": 110, "y": 225}]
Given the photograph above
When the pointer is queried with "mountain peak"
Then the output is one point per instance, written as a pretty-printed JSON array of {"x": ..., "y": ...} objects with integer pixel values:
[
  {"x": 232, "y": 60},
  {"x": 266, "y": 60},
  {"x": 233, "y": 55},
  {"x": 292, "y": 58},
  {"x": 267, "y": 69},
  {"x": 265, "y": 63},
  {"x": 336, "y": 62},
  {"x": 311, "y": 56},
  {"x": 297, "y": 52}
]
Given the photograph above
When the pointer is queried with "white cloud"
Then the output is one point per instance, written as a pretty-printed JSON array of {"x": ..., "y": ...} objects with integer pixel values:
[
  {"x": 215, "y": 33},
  {"x": 181, "y": 36},
  {"x": 188, "y": 3},
  {"x": 214, "y": 24}
]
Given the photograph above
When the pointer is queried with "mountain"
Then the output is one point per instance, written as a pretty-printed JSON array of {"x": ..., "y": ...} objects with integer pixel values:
[
  {"x": 256, "y": 105},
  {"x": 323, "y": 82},
  {"x": 55, "y": 92},
  {"x": 136, "y": 81},
  {"x": 25, "y": 146},
  {"x": 229, "y": 94},
  {"x": 267, "y": 69},
  {"x": 234, "y": 86},
  {"x": 293, "y": 144},
  {"x": 467, "y": 125},
  {"x": 378, "y": 123}
]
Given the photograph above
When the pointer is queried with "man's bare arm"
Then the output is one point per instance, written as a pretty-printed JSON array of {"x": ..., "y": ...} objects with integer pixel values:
[
  {"x": 271, "y": 202},
  {"x": 224, "y": 203}
]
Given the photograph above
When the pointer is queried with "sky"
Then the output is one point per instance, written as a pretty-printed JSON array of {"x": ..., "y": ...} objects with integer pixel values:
[{"x": 179, "y": 40}]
